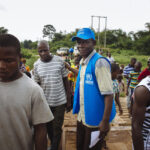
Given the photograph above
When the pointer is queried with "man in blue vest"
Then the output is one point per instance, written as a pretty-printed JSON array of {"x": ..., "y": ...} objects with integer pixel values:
[{"x": 93, "y": 98}]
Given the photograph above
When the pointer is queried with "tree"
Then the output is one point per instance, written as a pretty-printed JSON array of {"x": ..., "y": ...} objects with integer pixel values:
[
  {"x": 27, "y": 44},
  {"x": 3, "y": 30},
  {"x": 143, "y": 45},
  {"x": 147, "y": 25},
  {"x": 49, "y": 31},
  {"x": 58, "y": 37}
]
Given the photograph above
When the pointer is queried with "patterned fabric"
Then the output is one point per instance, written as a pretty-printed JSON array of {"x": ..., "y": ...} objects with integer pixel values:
[
  {"x": 72, "y": 77},
  {"x": 50, "y": 76},
  {"x": 115, "y": 87},
  {"x": 121, "y": 85},
  {"x": 134, "y": 79},
  {"x": 127, "y": 70},
  {"x": 146, "y": 124},
  {"x": 22, "y": 67},
  {"x": 146, "y": 129}
]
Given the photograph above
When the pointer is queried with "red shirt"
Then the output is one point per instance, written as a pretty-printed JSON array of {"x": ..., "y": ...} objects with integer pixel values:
[{"x": 144, "y": 74}]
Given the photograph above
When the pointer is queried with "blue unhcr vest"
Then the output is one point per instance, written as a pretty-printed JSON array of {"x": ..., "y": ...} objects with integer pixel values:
[{"x": 93, "y": 100}]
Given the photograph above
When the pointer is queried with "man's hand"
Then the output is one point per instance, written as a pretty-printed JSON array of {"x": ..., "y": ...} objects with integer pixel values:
[{"x": 104, "y": 128}]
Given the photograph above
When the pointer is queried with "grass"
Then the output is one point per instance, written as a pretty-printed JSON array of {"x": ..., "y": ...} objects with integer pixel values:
[
  {"x": 124, "y": 56},
  {"x": 120, "y": 56}
]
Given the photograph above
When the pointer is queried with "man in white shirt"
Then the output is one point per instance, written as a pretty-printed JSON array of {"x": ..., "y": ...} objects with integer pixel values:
[
  {"x": 110, "y": 58},
  {"x": 23, "y": 106}
]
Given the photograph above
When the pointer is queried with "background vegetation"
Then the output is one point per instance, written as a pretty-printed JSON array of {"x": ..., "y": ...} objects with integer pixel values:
[{"x": 122, "y": 45}]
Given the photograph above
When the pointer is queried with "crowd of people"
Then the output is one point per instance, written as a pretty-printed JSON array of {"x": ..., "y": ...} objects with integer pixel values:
[{"x": 33, "y": 103}]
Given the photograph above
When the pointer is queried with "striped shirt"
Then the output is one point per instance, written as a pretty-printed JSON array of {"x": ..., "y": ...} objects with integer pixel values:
[
  {"x": 146, "y": 124},
  {"x": 127, "y": 70},
  {"x": 134, "y": 79},
  {"x": 50, "y": 77}
]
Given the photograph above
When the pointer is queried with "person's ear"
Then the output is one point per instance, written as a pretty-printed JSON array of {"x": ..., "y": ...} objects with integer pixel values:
[{"x": 94, "y": 42}]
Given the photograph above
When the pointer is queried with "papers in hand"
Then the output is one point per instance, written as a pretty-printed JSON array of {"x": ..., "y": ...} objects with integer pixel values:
[{"x": 94, "y": 138}]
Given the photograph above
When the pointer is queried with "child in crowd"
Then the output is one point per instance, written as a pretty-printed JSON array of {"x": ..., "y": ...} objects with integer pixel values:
[
  {"x": 133, "y": 82},
  {"x": 72, "y": 76},
  {"x": 121, "y": 83},
  {"x": 121, "y": 69},
  {"x": 114, "y": 72},
  {"x": 24, "y": 67},
  {"x": 73, "y": 72}
]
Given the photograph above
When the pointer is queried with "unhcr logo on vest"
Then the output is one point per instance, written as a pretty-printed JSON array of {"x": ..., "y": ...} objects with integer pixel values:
[{"x": 89, "y": 79}]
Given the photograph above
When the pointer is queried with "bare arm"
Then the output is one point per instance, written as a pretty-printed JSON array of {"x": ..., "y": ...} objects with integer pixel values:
[
  {"x": 123, "y": 86},
  {"x": 104, "y": 125},
  {"x": 40, "y": 137},
  {"x": 117, "y": 100},
  {"x": 68, "y": 93},
  {"x": 75, "y": 71},
  {"x": 138, "y": 114},
  {"x": 128, "y": 86}
]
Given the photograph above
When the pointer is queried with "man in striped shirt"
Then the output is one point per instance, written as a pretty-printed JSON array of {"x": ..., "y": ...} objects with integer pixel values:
[
  {"x": 126, "y": 73},
  {"x": 129, "y": 68},
  {"x": 50, "y": 73}
]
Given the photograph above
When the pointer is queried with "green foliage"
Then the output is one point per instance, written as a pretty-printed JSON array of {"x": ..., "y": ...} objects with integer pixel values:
[
  {"x": 143, "y": 44},
  {"x": 26, "y": 53},
  {"x": 62, "y": 40},
  {"x": 132, "y": 43},
  {"x": 147, "y": 25},
  {"x": 3, "y": 30},
  {"x": 30, "y": 55},
  {"x": 58, "y": 37},
  {"x": 28, "y": 44},
  {"x": 31, "y": 61},
  {"x": 49, "y": 31},
  {"x": 122, "y": 94},
  {"x": 124, "y": 56}
]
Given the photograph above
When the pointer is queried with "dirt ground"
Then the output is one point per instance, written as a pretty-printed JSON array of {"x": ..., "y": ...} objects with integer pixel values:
[
  {"x": 118, "y": 140},
  {"x": 119, "y": 136}
]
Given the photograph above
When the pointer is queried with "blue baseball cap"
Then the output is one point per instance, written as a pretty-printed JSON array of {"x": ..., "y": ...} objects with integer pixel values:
[{"x": 85, "y": 34}]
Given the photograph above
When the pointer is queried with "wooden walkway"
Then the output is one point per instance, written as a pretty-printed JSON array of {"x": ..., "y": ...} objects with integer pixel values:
[{"x": 119, "y": 136}]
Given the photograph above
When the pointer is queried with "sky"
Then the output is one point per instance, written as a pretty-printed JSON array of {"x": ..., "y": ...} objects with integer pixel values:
[{"x": 26, "y": 18}]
